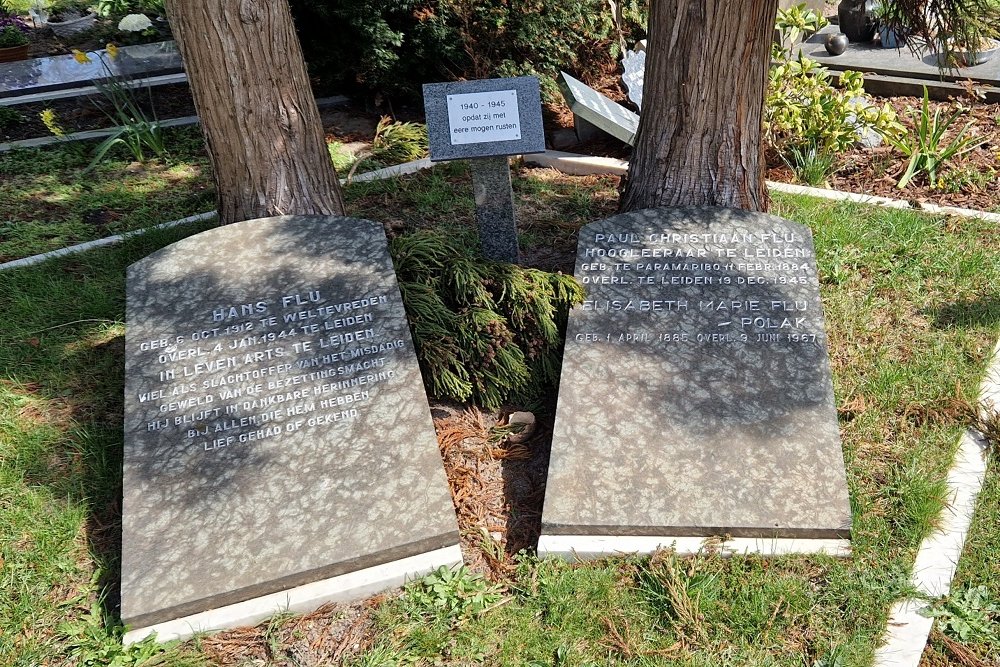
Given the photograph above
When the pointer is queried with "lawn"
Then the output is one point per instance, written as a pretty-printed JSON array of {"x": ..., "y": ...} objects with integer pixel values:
[{"x": 913, "y": 310}]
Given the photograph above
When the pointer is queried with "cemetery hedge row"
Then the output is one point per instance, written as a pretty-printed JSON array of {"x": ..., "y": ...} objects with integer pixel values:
[{"x": 393, "y": 46}]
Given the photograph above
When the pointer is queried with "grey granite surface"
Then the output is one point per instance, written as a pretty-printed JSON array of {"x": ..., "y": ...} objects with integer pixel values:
[
  {"x": 276, "y": 426},
  {"x": 598, "y": 109},
  {"x": 489, "y": 113},
  {"x": 872, "y": 58},
  {"x": 494, "y": 197},
  {"x": 57, "y": 72},
  {"x": 696, "y": 395}
]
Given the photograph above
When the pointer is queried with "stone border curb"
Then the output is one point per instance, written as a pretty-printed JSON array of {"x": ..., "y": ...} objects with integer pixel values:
[
  {"x": 110, "y": 240},
  {"x": 586, "y": 165},
  {"x": 937, "y": 558},
  {"x": 38, "y": 142}
]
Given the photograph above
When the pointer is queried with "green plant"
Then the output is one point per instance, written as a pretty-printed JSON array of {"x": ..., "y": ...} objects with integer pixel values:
[
  {"x": 342, "y": 158},
  {"x": 132, "y": 128},
  {"x": 969, "y": 615},
  {"x": 397, "y": 142},
  {"x": 968, "y": 178},
  {"x": 810, "y": 164},
  {"x": 24, "y": 6},
  {"x": 804, "y": 109},
  {"x": 453, "y": 592},
  {"x": 9, "y": 117},
  {"x": 11, "y": 36},
  {"x": 926, "y": 148},
  {"x": 796, "y": 21},
  {"x": 392, "y": 46},
  {"x": 484, "y": 331}
]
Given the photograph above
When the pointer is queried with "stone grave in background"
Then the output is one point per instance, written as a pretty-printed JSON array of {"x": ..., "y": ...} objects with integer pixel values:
[
  {"x": 696, "y": 398},
  {"x": 486, "y": 121},
  {"x": 592, "y": 109},
  {"x": 279, "y": 449}
]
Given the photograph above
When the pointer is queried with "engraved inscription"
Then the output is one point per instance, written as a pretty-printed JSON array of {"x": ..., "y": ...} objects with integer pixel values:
[
  {"x": 257, "y": 370},
  {"x": 685, "y": 282}
]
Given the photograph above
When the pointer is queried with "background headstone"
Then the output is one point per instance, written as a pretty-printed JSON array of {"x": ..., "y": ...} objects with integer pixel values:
[
  {"x": 598, "y": 110},
  {"x": 276, "y": 427},
  {"x": 696, "y": 396}
]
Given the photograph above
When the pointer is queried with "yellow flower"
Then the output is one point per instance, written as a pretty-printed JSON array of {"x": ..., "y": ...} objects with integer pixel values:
[
  {"x": 112, "y": 50},
  {"x": 81, "y": 57},
  {"x": 48, "y": 117}
]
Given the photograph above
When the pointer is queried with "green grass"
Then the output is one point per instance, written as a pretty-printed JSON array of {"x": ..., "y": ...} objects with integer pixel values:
[
  {"x": 49, "y": 202},
  {"x": 912, "y": 311}
]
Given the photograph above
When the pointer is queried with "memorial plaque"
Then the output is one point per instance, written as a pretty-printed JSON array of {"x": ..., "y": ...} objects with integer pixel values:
[
  {"x": 276, "y": 427},
  {"x": 484, "y": 118},
  {"x": 696, "y": 396}
]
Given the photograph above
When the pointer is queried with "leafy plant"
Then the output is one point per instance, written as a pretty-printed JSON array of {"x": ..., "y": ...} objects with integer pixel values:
[
  {"x": 9, "y": 117},
  {"x": 24, "y": 6},
  {"x": 132, "y": 128},
  {"x": 969, "y": 615},
  {"x": 452, "y": 592},
  {"x": 796, "y": 21},
  {"x": 342, "y": 159},
  {"x": 397, "y": 142},
  {"x": 926, "y": 148},
  {"x": 484, "y": 331},
  {"x": 804, "y": 109},
  {"x": 392, "y": 46},
  {"x": 810, "y": 164},
  {"x": 114, "y": 7},
  {"x": 13, "y": 32}
]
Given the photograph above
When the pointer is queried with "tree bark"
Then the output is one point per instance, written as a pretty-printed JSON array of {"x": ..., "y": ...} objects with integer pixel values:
[
  {"x": 699, "y": 136},
  {"x": 258, "y": 114}
]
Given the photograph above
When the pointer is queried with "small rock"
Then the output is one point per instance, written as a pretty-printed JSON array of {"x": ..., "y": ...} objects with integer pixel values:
[{"x": 522, "y": 425}]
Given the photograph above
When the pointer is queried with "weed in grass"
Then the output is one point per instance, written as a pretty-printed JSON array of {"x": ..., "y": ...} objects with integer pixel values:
[
  {"x": 454, "y": 593},
  {"x": 969, "y": 615},
  {"x": 920, "y": 497}
]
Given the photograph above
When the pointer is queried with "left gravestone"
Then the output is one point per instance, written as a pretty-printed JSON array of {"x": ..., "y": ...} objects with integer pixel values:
[{"x": 279, "y": 450}]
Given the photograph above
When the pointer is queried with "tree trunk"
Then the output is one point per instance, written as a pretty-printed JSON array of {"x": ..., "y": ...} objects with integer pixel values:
[
  {"x": 699, "y": 137},
  {"x": 258, "y": 113}
]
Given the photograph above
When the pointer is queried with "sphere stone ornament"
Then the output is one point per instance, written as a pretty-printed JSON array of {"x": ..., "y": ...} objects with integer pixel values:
[{"x": 836, "y": 43}]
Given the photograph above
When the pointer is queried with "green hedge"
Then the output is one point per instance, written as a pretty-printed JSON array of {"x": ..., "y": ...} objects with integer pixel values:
[{"x": 393, "y": 46}]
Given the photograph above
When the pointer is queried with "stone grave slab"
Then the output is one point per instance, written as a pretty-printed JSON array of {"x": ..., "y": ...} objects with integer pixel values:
[
  {"x": 696, "y": 397},
  {"x": 871, "y": 58},
  {"x": 38, "y": 75},
  {"x": 598, "y": 109},
  {"x": 279, "y": 449}
]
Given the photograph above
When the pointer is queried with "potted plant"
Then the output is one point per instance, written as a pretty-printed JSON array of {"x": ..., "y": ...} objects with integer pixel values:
[
  {"x": 891, "y": 33},
  {"x": 14, "y": 40},
  {"x": 70, "y": 17},
  {"x": 966, "y": 38}
]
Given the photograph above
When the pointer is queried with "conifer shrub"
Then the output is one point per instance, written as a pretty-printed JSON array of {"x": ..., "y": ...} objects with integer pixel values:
[{"x": 485, "y": 332}]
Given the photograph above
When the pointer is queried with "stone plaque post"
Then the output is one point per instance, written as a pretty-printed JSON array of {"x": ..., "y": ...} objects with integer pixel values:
[
  {"x": 696, "y": 398},
  {"x": 487, "y": 121},
  {"x": 279, "y": 450}
]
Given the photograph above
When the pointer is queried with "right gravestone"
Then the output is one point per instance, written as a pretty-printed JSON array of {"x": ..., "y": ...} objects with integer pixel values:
[{"x": 696, "y": 398}]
